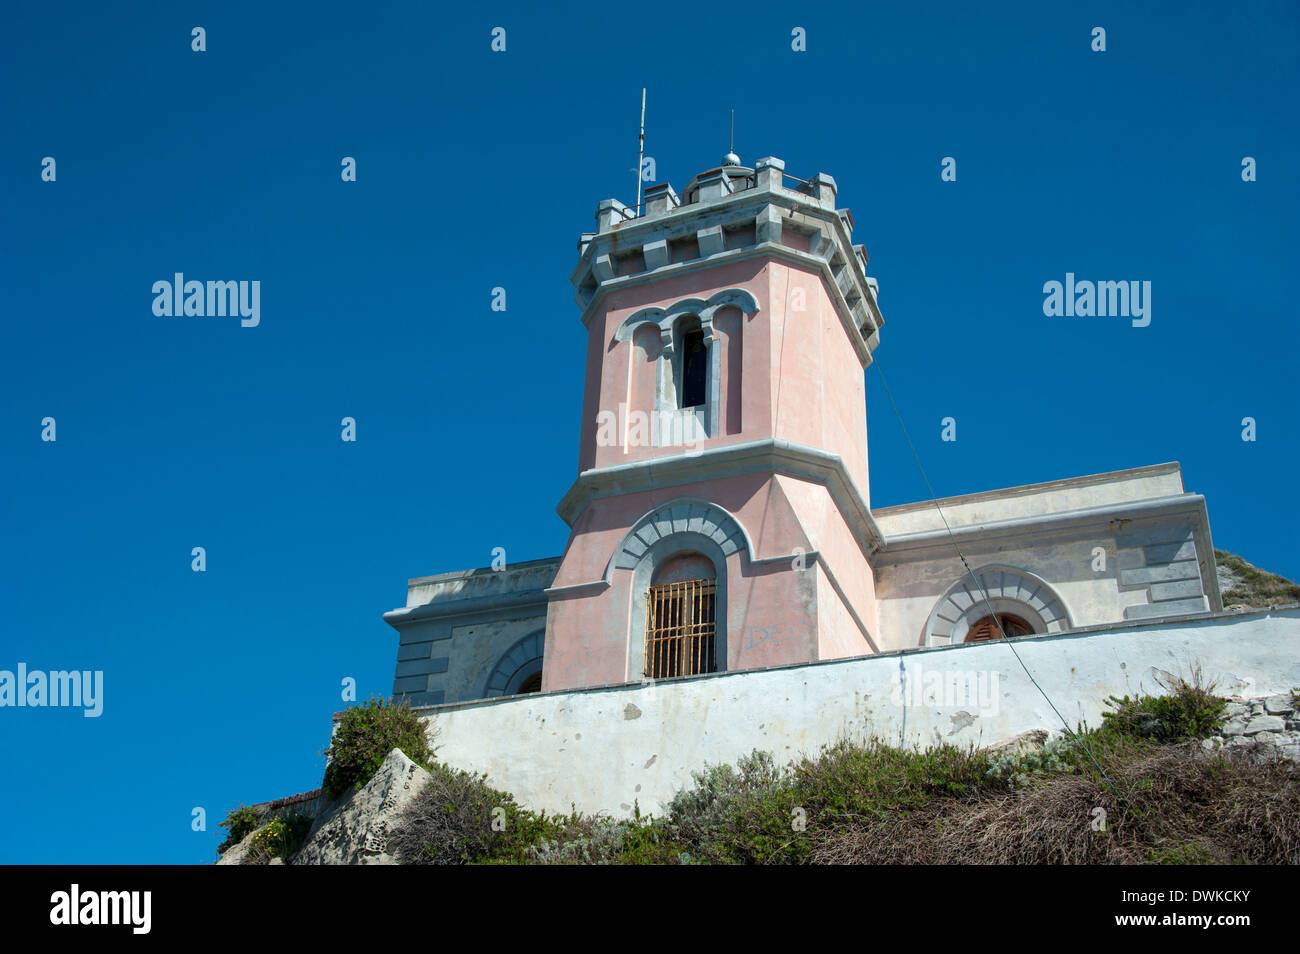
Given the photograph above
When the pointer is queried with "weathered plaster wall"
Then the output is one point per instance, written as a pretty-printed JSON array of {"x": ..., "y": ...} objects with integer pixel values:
[{"x": 601, "y": 749}]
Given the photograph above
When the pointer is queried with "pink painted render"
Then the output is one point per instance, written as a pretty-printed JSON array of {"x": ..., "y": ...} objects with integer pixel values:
[
  {"x": 787, "y": 371},
  {"x": 794, "y": 354}
]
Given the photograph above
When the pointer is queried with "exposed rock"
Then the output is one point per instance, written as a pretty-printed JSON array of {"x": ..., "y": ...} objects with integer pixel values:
[
  {"x": 1264, "y": 723},
  {"x": 1022, "y": 744},
  {"x": 1245, "y": 586},
  {"x": 354, "y": 830},
  {"x": 1233, "y": 727},
  {"x": 1278, "y": 705},
  {"x": 238, "y": 854}
]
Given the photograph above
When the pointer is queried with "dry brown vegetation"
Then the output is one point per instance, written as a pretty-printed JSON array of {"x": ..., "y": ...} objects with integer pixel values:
[{"x": 1177, "y": 804}]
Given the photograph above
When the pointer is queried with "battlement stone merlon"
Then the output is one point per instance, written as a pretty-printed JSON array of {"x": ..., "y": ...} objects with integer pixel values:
[{"x": 717, "y": 208}]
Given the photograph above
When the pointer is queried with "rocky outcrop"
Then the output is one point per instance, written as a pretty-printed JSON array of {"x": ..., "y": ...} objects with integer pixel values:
[
  {"x": 238, "y": 854},
  {"x": 1022, "y": 744},
  {"x": 1245, "y": 586},
  {"x": 1272, "y": 723},
  {"x": 354, "y": 830}
]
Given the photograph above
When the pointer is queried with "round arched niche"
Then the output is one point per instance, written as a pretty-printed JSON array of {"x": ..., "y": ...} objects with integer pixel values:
[
  {"x": 684, "y": 539},
  {"x": 1002, "y": 590},
  {"x": 519, "y": 669}
]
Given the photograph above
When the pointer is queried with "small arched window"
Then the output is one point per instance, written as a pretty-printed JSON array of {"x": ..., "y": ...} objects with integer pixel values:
[
  {"x": 681, "y": 619},
  {"x": 987, "y": 628},
  {"x": 695, "y": 369},
  {"x": 532, "y": 684}
]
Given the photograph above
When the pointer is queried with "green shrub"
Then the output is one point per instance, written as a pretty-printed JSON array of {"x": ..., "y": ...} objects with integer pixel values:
[
  {"x": 279, "y": 839},
  {"x": 1187, "y": 854},
  {"x": 1191, "y": 710},
  {"x": 649, "y": 841},
  {"x": 585, "y": 840},
  {"x": 1059, "y": 755},
  {"x": 457, "y": 818},
  {"x": 706, "y": 816},
  {"x": 365, "y": 735},
  {"x": 238, "y": 824},
  {"x": 758, "y": 813}
]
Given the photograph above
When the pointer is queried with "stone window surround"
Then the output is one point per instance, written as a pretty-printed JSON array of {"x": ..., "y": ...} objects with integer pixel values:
[
  {"x": 681, "y": 526},
  {"x": 514, "y": 672},
  {"x": 1034, "y": 601},
  {"x": 668, "y": 365}
]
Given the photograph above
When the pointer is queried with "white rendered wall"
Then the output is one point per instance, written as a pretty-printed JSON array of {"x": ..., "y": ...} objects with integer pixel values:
[{"x": 601, "y": 749}]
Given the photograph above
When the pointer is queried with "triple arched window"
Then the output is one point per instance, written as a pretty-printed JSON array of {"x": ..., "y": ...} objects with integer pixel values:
[{"x": 686, "y": 365}]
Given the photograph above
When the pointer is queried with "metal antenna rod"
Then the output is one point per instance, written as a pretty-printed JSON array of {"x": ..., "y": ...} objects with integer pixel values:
[
  {"x": 641, "y": 155},
  {"x": 732, "y": 148}
]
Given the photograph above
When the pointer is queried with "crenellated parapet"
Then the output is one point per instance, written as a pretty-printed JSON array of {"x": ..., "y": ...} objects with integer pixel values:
[{"x": 730, "y": 213}]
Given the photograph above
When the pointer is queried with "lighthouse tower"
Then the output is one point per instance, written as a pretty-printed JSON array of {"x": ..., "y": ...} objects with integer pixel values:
[{"x": 720, "y": 517}]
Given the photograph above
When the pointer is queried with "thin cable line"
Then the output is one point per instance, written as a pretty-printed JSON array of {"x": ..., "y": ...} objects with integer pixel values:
[
  {"x": 785, "y": 323},
  {"x": 983, "y": 592}
]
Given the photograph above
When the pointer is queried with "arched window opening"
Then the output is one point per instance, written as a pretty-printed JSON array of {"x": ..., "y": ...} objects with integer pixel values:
[
  {"x": 987, "y": 628},
  {"x": 532, "y": 684},
  {"x": 681, "y": 619},
  {"x": 519, "y": 669},
  {"x": 695, "y": 369},
  {"x": 965, "y": 611}
]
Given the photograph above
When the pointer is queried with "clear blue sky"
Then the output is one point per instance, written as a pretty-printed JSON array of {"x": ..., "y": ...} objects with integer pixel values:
[{"x": 477, "y": 170}]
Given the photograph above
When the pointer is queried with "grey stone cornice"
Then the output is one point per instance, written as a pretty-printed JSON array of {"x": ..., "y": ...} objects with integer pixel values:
[
  {"x": 729, "y": 460},
  {"x": 918, "y": 544},
  {"x": 517, "y": 585},
  {"x": 447, "y": 607}
]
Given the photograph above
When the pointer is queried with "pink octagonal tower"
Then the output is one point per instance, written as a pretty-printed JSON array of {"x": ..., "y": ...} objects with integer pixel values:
[{"x": 720, "y": 518}]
